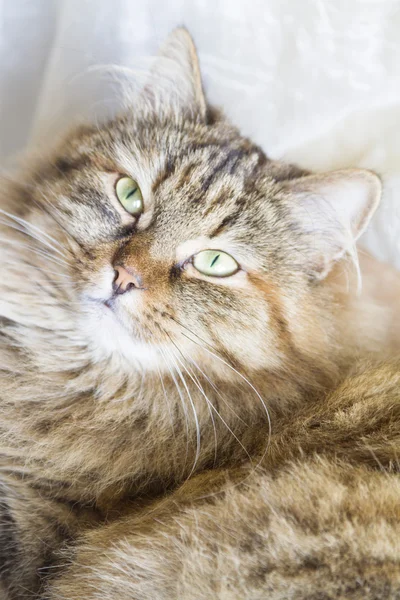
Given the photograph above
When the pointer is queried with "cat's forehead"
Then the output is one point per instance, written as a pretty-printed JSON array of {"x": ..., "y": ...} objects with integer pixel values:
[
  {"x": 183, "y": 153},
  {"x": 196, "y": 171}
]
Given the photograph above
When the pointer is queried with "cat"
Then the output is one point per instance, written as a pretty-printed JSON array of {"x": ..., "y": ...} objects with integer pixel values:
[{"x": 169, "y": 295}]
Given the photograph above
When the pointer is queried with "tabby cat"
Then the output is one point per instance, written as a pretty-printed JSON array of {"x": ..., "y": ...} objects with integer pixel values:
[{"x": 179, "y": 317}]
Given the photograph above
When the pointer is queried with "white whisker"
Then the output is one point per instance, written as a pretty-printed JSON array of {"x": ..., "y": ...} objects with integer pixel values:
[
  {"x": 25, "y": 223},
  {"x": 23, "y": 265},
  {"x": 198, "y": 437},
  {"x": 38, "y": 251},
  {"x": 216, "y": 389},
  {"x": 239, "y": 374},
  {"x": 28, "y": 234},
  {"x": 200, "y": 388},
  {"x": 182, "y": 403},
  {"x": 210, "y": 404},
  {"x": 167, "y": 400}
]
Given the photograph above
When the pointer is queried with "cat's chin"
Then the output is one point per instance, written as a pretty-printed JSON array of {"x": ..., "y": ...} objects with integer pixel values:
[{"x": 108, "y": 339}]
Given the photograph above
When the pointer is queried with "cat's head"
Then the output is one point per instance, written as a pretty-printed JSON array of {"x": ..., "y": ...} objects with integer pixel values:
[{"x": 181, "y": 243}]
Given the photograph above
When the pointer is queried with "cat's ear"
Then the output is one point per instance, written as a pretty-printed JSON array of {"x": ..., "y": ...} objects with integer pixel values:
[
  {"x": 175, "y": 80},
  {"x": 334, "y": 209}
]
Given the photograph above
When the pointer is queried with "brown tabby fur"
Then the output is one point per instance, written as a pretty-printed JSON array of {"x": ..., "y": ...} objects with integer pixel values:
[
  {"x": 319, "y": 519},
  {"x": 171, "y": 392}
]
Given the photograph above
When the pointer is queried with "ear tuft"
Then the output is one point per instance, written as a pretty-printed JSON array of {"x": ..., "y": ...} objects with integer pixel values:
[
  {"x": 334, "y": 209},
  {"x": 175, "y": 81}
]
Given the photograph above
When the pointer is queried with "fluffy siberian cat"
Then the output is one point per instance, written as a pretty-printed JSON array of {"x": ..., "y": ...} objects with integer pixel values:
[{"x": 182, "y": 416}]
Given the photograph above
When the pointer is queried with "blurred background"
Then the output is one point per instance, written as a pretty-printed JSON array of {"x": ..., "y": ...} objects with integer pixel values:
[{"x": 316, "y": 82}]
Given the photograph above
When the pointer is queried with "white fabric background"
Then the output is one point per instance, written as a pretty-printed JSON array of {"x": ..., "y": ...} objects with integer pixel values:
[{"x": 313, "y": 81}]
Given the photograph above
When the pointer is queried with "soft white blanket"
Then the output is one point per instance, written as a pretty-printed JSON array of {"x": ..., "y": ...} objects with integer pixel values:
[{"x": 313, "y": 81}]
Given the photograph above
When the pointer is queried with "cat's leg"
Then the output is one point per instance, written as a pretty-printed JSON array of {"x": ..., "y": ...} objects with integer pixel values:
[
  {"x": 318, "y": 530},
  {"x": 32, "y": 528}
]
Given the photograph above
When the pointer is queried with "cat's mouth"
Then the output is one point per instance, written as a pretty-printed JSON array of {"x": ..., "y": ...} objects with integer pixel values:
[
  {"x": 110, "y": 303},
  {"x": 123, "y": 317},
  {"x": 110, "y": 306}
]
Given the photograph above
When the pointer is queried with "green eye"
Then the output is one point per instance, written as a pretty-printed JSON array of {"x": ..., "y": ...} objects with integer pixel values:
[
  {"x": 130, "y": 196},
  {"x": 215, "y": 263}
]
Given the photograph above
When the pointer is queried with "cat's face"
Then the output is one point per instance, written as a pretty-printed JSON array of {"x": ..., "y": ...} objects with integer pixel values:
[{"x": 187, "y": 246}]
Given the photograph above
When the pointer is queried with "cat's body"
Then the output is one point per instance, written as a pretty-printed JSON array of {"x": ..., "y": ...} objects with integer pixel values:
[
  {"x": 319, "y": 520},
  {"x": 317, "y": 517},
  {"x": 117, "y": 387}
]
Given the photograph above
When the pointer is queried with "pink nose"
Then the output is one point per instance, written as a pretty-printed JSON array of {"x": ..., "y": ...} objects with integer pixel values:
[{"x": 125, "y": 280}]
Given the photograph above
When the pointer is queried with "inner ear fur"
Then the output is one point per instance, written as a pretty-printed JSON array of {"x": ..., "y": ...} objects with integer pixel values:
[{"x": 334, "y": 209}]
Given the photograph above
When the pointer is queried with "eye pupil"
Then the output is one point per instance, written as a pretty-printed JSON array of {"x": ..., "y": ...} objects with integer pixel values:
[
  {"x": 131, "y": 193},
  {"x": 215, "y": 260}
]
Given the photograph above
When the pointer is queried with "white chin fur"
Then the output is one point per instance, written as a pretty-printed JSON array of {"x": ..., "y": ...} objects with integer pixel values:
[{"x": 108, "y": 339}]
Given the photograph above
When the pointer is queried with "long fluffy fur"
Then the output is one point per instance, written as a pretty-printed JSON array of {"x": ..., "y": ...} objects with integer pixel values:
[{"x": 321, "y": 519}]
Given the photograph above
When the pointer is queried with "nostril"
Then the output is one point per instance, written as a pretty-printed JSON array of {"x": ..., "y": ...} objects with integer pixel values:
[{"x": 124, "y": 280}]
